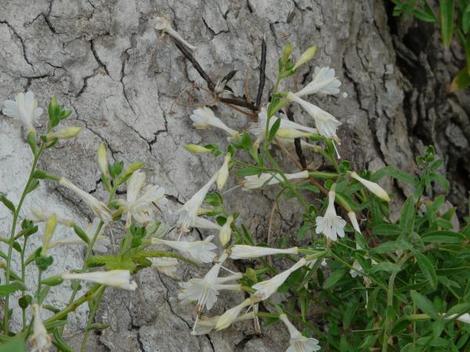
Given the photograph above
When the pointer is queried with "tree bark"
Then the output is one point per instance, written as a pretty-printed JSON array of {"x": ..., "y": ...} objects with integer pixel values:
[{"x": 130, "y": 88}]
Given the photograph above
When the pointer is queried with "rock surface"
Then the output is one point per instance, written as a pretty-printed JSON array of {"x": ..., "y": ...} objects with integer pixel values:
[{"x": 129, "y": 87}]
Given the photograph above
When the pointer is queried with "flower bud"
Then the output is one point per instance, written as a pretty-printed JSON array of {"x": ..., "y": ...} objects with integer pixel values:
[
  {"x": 372, "y": 187},
  {"x": 65, "y": 133},
  {"x": 48, "y": 232},
  {"x": 196, "y": 149},
  {"x": 222, "y": 175},
  {"x": 305, "y": 57},
  {"x": 103, "y": 160},
  {"x": 226, "y": 231}
]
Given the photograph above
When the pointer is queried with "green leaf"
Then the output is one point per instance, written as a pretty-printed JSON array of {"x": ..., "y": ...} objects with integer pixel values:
[
  {"x": 6, "y": 202},
  {"x": 466, "y": 19},
  {"x": 392, "y": 246},
  {"x": 447, "y": 21},
  {"x": 424, "y": 304},
  {"x": 407, "y": 217},
  {"x": 333, "y": 279},
  {"x": 448, "y": 237},
  {"x": 460, "y": 81},
  {"x": 274, "y": 129},
  {"x": 459, "y": 309},
  {"x": 395, "y": 173},
  {"x": 15, "y": 344},
  {"x": 59, "y": 342},
  {"x": 427, "y": 268},
  {"x": 8, "y": 289},
  {"x": 386, "y": 266},
  {"x": 81, "y": 234}
]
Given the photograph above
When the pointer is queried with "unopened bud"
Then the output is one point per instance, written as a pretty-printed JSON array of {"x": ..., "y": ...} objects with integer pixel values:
[
  {"x": 196, "y": 149},
  {"x": 305, "y": 57}
]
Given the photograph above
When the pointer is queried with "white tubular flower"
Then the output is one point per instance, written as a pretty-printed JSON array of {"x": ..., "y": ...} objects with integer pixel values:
[
  {"x": 352, "y": 217},
  {"x": 268, "y": 179},
  {"x": 222, "y": 175},
  {"x": 324, "y": 82},
  {"x": 247, "y": 252},
  {"x": 225, "y": 232},
  {"x": 298, "y": 342},
  {"x": 164, "y": 25},
  {"x": 140, "y": 199},
  {"x": 287, "y": 130},
  {"x": 204, "y": 118},
  {"x": 326, "y": 123},
  {"x": 166, "y": 265},
  {"x": 25, "y": 108},
  {"x": 40, "y": 340},
  {"x": 199, "y": 251},
  {"x": 189, "y": 211},
  {"x": 113, "y": 278},
  {"x": 206, "y": 290},
  {"x": 204, "y": 325},
  {"x": 203, "y": 223},
  {"x": 99, "y": 208},
  {"x": 231, "y": 315},
  {"x": 464, "y": 318},
  {"x": 265, "y": 289},
  {"x": 372, "y": 186},
  {"x": 331, "y": 225}
]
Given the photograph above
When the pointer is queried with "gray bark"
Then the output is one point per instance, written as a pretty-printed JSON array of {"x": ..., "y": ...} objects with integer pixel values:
[{"x": 130, "y": 88}]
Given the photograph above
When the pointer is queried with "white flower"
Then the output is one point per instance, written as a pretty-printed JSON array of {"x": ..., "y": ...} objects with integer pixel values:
[
  {"x": 140, "y": 199},
  {"x": 267, "y": 179},
  {"x": 205, "y": 290},
  {"x": 113, "y": 278},
  {"x": 165, "y": 265},
  {"x": 298, "y": 342},
  {"x": 189, "y": 211},
  {"x": 231, "y": 315},
  {"x": 356, "y": 270},
  {"x": 99, "y": 208},
  {"x": 25, "y": 108},
  {"x": 222, "y": 175},
  {"x": 266, "y": 288},
  {"x": 331, "y": 225},
  {"x": 372, "y": 186},
  {"x": 354, "y": 223},
  {"x": 40, "y": 340},
  {"x": 202, "y": 223},
  {"x": 225, "y": 232},
  {"x": 324, "y": 82},
  {"x": 246, "y": 252},
  {"x": 204, "y": 118},
  {"x": 288, "y": 130},
  {"x": 326, "y": 123},
  {"x": 164, "y": 25},
  {"x": 204, "y": 325},
  {"x": 199, "y": 251},
  {"x": 464, "y": 318}
]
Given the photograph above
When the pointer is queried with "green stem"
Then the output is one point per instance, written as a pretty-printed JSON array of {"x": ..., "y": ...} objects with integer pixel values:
[
  {"x": 6, "y": 317},
  {"x": 74, "y": 305},
  {"x": 91, "y": 317},
  {"x": 87, "y": 255}
]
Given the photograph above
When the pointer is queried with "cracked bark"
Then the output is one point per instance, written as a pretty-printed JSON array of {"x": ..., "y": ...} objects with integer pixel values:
[{"x": 127, "y": 86}]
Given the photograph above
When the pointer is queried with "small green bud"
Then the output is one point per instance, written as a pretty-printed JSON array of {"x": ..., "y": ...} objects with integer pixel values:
[
  {"x": 196, "y": 149},
  {"x": 52, "y": 281},
  {"x": 65, "y": 133},
  {"x": 103, "y": 160},
  {"x": 48, "y": 233},
  {"x": 305, "y": 57}
]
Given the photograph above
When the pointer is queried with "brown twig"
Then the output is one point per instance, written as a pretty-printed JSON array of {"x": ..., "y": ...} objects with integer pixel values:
[
  {"x": 262, "y": 74},
  {"x": 189, "y": 56}
]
